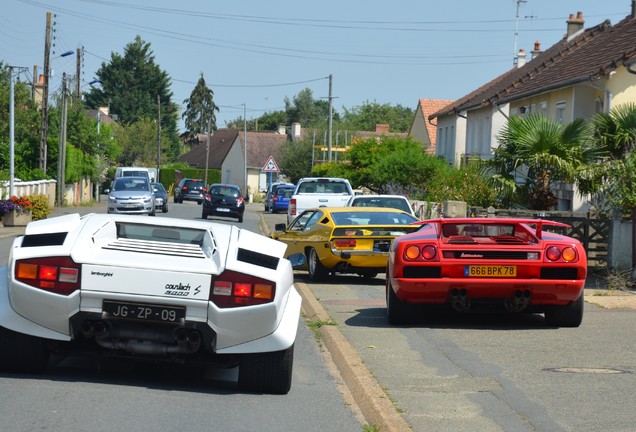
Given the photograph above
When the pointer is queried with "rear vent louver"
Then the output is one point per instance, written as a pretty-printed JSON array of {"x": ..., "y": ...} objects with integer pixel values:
[
  {"x": 49, "y": 239},
  {"x": 157, "y": 248},
  {"x": 257, "y": 258}
]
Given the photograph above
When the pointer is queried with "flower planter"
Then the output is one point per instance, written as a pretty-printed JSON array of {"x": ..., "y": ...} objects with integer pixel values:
[{"x": 13, "y": 218}]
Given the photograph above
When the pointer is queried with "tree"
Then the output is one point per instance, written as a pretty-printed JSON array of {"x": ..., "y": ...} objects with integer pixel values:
[
  {"x": 366, "y": 116},
  {"x": 295, "y": 159},
  {"x": 132, "y": 85},
  {"x": 199, "y": 115},
  {"x": 543, "y": 151},
  {"x": 307, "y": 111},
  {"x": 138, "y": 142}
]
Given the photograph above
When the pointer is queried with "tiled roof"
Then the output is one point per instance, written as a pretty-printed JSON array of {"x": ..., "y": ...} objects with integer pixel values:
[
  {"x": 220, "y": 143},
  {"x": 430, "y": 106},
  {"x": 262, "y": 145},
  {"x": 590, "y": 55}
]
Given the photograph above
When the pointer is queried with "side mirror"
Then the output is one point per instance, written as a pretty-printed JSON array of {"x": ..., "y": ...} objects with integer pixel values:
[
  {"x": 297, "y": 260},
  {"x": 280, "y": 227}
]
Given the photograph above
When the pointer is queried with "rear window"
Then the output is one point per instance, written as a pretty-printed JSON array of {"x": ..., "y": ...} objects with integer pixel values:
[
  {"x": 225, "y": 191},
  {"x": 162, "y": 234},
  {"x": 372, "y": 218},
  {"x": 395, "y": 203},
  {"x": 194, "y": 184},
  {"x": 333, "y": 187}
]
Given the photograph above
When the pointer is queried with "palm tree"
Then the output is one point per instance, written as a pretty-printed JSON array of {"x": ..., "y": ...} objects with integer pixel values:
[{"x": 543, "y": 151}]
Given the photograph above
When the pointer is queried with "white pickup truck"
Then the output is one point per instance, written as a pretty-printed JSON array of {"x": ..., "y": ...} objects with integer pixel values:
[{"x": 313, "y": 192}]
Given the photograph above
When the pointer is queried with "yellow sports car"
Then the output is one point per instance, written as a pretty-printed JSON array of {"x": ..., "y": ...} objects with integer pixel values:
[{"x": 344, "y": 239}]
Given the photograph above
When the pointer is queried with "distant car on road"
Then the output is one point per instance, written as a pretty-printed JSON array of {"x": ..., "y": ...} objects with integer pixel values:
[
  {"x": 279, "y": 200},
  {"x": 500, "y": 264},
  {"x": 161, "y": 197},
  {"x": 391, "y": 201},
  {"x": 344, "y": 239},
  {"x": 272, "y": 191},
  {"x": 223, "y": 200},
  {"x": 131, "y": 195},
  {"x": 190, "y": 189}
]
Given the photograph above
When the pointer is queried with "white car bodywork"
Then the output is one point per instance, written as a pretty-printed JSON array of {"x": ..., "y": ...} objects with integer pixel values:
[
  {"x": 132, "y": 263},
  {"x": 399, "y": 202}
]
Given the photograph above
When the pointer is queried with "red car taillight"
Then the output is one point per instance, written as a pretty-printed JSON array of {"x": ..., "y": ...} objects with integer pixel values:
[
  {"x": 417, "y": 252},
  {"x": 275, "y": 198},
  {"x": 292, "y": 207},
  {"x": 553, "y": 253},
  {"x": 59, "y": 275},
  {"x": 344, "y": 243},
  {"x": 232, "y": 289},
  {"x": 239, "y": 202}
]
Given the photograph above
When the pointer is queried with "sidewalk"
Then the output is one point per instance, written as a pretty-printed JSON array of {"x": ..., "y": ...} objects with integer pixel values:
[{"x": 97, "y": 207}]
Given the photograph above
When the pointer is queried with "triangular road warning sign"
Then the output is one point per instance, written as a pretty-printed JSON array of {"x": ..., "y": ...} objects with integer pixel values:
[{"x": 270, "y": 165}]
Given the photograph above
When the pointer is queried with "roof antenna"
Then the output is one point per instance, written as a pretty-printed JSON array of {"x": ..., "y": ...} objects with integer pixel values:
[{"x": 517, "y": 17}]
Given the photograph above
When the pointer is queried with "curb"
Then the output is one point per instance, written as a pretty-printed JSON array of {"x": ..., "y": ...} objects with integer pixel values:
[{"x": 372, "y": 401}]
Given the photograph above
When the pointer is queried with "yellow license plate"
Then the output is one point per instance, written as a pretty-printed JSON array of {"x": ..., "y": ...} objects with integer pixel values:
[{"x": 490, "y": 271}]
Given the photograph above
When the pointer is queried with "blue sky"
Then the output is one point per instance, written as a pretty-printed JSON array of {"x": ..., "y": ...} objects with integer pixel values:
[{"x": 257, "y": 52}]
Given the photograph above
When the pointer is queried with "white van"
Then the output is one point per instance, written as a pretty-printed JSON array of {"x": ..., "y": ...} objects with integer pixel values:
[{"x": 151, "y": 173}]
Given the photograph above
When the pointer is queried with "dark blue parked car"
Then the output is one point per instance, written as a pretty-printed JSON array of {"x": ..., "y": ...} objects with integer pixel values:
[{"x": 280, "y": 200}]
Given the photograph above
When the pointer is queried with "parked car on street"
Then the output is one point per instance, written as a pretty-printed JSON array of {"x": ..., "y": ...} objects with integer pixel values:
[
  {"x": 155, "y": 289},
  {"x": 391, "y": 201},
  {"x": 272, "y": 191},
  {"x": 344, "y": 239},
  {"x": 131, "y": 195},
  {"x": 223, "y": 200},
  {"x": 280, "y": 199},
  {"x": 161, "y": 197},
  {"x": 190, "y": 189},
  {"x": 501, "y": 264},
  {"x": 313, "y": 192}
]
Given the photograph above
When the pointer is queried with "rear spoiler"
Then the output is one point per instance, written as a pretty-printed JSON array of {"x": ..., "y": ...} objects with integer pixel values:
[{"x": 538, "y": 223}]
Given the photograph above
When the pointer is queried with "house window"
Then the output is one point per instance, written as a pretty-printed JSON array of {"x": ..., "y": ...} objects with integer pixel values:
[
  {"x": 543, "y": 108},
  {"x": 560, "y": 112},
  {"x": 440, "y": 142}
]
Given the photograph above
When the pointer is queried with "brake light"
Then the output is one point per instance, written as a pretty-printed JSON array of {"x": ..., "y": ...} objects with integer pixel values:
[
  {"x": 232, "y": 289},
  {"x": 344, "y": 243},
  {"x": 553, "y": 253},
  {"x": 239, "y": 201},
  {"x": 184, "y": 188},
  {"x": 292, "y": 207},
  {"x": 568, "y": 253},
  {"x": 415, "y": 252},
  {"x": 59, "y": 275},
  {"x": 275, "y": 198}
]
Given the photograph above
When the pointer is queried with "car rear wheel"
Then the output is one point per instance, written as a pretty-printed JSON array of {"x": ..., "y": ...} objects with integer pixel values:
[
  {"x": 204, "y": 215},
  {"x": 269, "y": 372},
  {"x": 316, "y": 270},
  {"x": 397, "y": 311},
  {"x": 240, "y": 219},
  {"x": 22, "y": 353},
  {"x": 570, "y": 315}
]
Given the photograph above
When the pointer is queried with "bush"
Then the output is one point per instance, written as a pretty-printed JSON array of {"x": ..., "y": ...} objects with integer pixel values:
[{"x": 40, "y": 206}]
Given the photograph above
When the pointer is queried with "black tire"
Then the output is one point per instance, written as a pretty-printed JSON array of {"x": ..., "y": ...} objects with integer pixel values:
[
  {"x": 368, "y": 274},
  {"x": 316, "y": 270},
  {"x": 22, "y": 353},
  {"x": 397, "y": 311},
  {"x": 153, "y": 212},
  {"x": 240, "y": 219},
  {"x": 204, "y": 215},
  {"x": 570, "y": 315},
  {"x": 165, "y": 209},
  {"x": 266, "y": 208},
  {"x": 200, "y": 202},
  {"x": 176, "y": 200},
  {"x": 269, "y": 372}
]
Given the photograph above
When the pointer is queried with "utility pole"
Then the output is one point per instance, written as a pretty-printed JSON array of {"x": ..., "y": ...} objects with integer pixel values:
[
  {"x": 158, "y": 136},
  {"x": 207, "y": 150},
  {"x": 78, "y": 70},
  {"x": 245, "y": 145},
  {"x": 12, "y": 128},
  {"x": 45, "y": 95},
  {"x": 330, "y": 121},
  {"x": 61, "y": 157}
]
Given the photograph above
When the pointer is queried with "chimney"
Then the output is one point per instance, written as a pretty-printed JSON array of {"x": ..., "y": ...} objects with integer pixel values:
[
  {"x": 281, "y": 129},
  {"x": 295, "y": 129},
  {"x": 381, "y": 128},
  {"x": 536, "y": 51},
  {"x": 521, "y": 58},
  {"x": 633, "y": 8},
  {"x": 574, "y": 24}
]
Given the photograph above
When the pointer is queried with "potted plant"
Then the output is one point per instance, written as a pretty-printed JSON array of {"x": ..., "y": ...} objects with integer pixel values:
[{"x": 15, "y": 211}]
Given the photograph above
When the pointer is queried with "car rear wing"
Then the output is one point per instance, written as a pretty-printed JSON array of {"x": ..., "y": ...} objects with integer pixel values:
[{"x": 537, "y": 223}]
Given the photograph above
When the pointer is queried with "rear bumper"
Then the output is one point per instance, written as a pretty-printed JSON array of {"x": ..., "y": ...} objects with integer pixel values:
[{"x": 438, "y": 291}]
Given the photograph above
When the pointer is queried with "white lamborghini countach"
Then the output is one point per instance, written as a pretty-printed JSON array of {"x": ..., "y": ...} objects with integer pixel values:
[{"x": 161, "y": 289}]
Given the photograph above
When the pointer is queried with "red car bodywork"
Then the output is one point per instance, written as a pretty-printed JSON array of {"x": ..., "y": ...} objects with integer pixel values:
[{"x": 468, "y": 263}]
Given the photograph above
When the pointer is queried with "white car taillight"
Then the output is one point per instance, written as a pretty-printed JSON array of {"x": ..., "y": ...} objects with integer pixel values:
[
  {"x": 59, "y": 275},
  {"x": 231, "y": 289}
]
